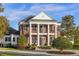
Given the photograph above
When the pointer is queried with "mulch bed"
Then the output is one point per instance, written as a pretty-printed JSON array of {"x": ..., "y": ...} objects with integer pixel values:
[{"x": 58, "y": 52}]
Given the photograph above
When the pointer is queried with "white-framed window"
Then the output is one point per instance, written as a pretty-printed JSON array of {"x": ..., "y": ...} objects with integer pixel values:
[{"x": 7, "y": 38}]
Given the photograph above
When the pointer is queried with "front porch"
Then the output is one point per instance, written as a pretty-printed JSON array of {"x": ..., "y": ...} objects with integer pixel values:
[{"x": 43, "y": 40}]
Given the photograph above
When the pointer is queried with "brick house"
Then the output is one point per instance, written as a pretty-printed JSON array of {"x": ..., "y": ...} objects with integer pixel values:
[{"x": 40, "y": 29}]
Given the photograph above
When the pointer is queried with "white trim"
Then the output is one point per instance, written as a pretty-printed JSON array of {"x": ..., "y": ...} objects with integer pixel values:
[
  {"x": 35, "y": 22},
  {"x": 48, "y": 36},
  {"x": 30, "y": 35},
  {"x": 55, "y": 31},
  {"x": 38, "y": 37},
  {"x": 42, "y": 16}
]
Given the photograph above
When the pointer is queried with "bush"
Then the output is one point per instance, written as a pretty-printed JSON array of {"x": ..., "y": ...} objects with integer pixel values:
[
  {"x": 22, "y": 42},
  {"x": 76, "y": 47},
  {"x": 9, "y": 45},
  {"x": 45, "y": 47},
  {"x": 31, "y": 47},
  {"x": 76, "y": 41},
  {"x": 14, "y": 46},
  {"x": 61, "y": 43}
]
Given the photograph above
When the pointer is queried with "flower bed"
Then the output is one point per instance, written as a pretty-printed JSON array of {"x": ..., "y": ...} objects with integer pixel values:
[{"x": 45, "y": 47}]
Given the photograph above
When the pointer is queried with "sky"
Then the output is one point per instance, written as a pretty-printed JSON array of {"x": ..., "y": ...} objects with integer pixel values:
[{"x": 15, "y": 12}]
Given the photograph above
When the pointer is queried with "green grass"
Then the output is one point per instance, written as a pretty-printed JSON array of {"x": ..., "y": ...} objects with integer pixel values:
[
  {"x": 1, "y": 48},
  {"x": 7, "y": 55}
]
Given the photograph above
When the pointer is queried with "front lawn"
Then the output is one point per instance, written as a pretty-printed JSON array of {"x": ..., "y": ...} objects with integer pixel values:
[
  {"x": 7, "y": 55},
  {"x": 1, "y": 48}
]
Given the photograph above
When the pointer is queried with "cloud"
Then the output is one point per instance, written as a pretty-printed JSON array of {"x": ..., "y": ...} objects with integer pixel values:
[
  {"x": 19, "y": 13},
  {"x": 47, "y": 7},
  {"x": 24, "y": 10},
  {"x": 14, "y": 15}
]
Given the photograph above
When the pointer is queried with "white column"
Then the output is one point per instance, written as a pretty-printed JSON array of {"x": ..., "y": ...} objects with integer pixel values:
[
  {"x": 12, "y": 39},
  {"x": 55, "y": 31},
  {"x": 30, "y": 34},
  {"x": 38, "y": 36},
  {"x": 48, "y": 36}
]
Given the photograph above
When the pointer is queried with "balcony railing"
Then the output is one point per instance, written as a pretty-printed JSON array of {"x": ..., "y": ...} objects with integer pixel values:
[
  {"x": 34, "y": 30},
  {"x": 43, "y": 31},
  {"x": 52, "y": 31}
]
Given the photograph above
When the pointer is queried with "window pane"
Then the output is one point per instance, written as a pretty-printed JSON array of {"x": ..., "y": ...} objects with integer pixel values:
[
  {"x": 5, "y": 38},
  {"x": 9, "y": 38},
  {"x": 14, "y": 39}
]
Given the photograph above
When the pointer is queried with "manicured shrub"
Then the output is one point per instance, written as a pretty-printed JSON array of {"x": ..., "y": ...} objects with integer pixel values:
[
  {"x": 9, "y": 45},
  {"x": 22, "y": 42},
  {"x": 61, "y": 43}
]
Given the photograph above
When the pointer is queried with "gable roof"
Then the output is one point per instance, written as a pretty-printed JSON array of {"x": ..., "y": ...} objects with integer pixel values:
[
  {"x": 11, "y": 31},
  {"x": 42, "y": 16},
  {"x": 27, "y": 19}
]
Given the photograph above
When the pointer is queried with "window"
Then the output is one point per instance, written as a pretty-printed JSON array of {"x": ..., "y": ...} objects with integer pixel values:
[
  {"x": 7, "y": 38},
  {"x": 52, "y": 28},
  {"x": 59, "y": 29},
  {"x": 13, "y": 39},
  {"x": 34, "y": 28},
  {"x": 34, "y": 38}
]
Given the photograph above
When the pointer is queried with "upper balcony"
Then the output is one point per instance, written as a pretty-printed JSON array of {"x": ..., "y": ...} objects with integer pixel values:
[
  {"x": 43, "y": 28},
  {"x": 34, "y": 28},
  {"x": 52, "y": 28}
]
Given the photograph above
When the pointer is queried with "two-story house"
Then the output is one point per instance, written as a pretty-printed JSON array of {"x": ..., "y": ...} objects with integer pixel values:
[{"x": 40, "y": 29}]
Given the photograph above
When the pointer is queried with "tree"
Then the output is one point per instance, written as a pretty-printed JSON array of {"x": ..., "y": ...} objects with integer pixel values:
[
  {"x": 76, "y": 42},
  {"x": 76, "y": 35},
  {"x": 67, "y": 26},
  {"x": 4, "y": 24},
  {"x": 1, "y": 8},
  {"x": 22, "y": 42},
  {"x": 61, "y": 43}
]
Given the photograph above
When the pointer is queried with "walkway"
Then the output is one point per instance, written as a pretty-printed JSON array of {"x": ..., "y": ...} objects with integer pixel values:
[
  {"x": 25, "y": 53},
  {"x": 37, "y": 53}
]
